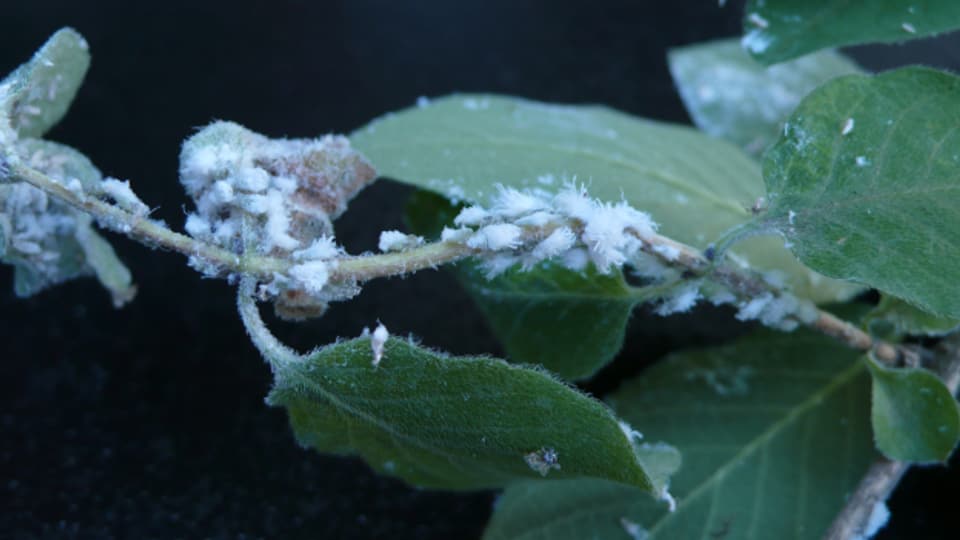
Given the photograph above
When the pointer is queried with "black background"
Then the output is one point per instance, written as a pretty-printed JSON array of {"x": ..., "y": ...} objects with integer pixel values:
[{"x": 149, "y": 422}]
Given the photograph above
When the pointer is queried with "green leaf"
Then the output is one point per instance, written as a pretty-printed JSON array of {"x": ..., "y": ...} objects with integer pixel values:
[
  {"x": 775, "y": 434},
  {"x": 915, "y": 417},
  {"x": 49, "y": 242},
  {"x": 37, "y": 94},
  {"x": 696, "y": 187},
  {"x": 457, "y": 423},
  {"x": 864, "y": 183},
  {"x": 732, "y": 97},
  {"x": 778, "y": 30},
  {"x": 895, "y": 318},
  {"x": 571, "y": 323}
]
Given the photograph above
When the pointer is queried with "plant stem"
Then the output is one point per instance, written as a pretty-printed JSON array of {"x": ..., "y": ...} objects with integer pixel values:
[
  {"x": 358, "y": 268},
  {"x": 884, "y": 475},
  {"x": 367, "y": 267},
  {"x": 144, "y": 230},
  {"x": 275, "y": 352},
  {"x": 748, "y": 285}
]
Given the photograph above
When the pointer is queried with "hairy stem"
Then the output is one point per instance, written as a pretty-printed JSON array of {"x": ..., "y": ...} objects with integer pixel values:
[
  {"x": 359, "y": 268},
  {"x": 367, "y": 267},
  {"x": 875, "y": 488},
  {"x": 275, "y": 352},
  {"x": 747, "y": 285},
  {"x": 144, "y": 230}
]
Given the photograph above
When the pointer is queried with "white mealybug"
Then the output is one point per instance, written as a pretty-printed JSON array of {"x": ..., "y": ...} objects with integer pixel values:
[
  {"x": 121, "y": 193},
  {"x": 311, "y": 275},
  {"x": 758, "y": 21},
  {"x": 324, "y": 247},
  {"x": 398, "y": 241},
  {"x": 511, "y": 203},
  {"x": 496, "y": 237},
  {"x": 847, "y": 126},
  {"x": 471, "y": 216},
  {"x": 559, "y": 241},
  {"x": 377, "y": 341}
]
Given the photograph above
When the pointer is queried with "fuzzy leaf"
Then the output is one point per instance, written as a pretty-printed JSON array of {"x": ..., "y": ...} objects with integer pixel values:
[
  {"x": 775, "y": 433},
  {"x": 778, "y": 30},
  {"x": 895, "y": 318},
  {"x": 865, "y": 180},
  {"x": 731, "y": 96},
  {"x": 457, "y": 423},
  {"x": 571, "y": 323},
  {"x": 37, "y": 94},
  {"x": 915, "y": 418},
  {"x": 49, "y": 242},
  {"x": 696, "y": 187}
]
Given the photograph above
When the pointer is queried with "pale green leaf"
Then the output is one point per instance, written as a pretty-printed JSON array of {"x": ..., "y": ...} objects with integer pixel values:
[
  {"x": 865, "y": 181},
  {"x": 778, "y": 30},
  {"x": 456, "y": 422},
  {"x": 37, "y": 94},
  {"x": 775, "y": 434},
  {"x": 696, "y": 187},
  {"x": 915, "y": 417},
  {"x": 731, "y": 96},
  {"x": 896, "y": 318}
]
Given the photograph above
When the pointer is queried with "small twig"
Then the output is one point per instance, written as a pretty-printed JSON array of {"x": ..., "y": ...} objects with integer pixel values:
[
  {"x": 363, "y": 268},
  {"x": 884, "y": 475},
  {"x": 272, "y": 349},
  {"x": 833, "y": 326},
  {"x": 748, "y": 285}
]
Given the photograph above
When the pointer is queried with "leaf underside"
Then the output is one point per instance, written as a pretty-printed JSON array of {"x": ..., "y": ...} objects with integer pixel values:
[
  {"x": 865, "y": 180},
  {"x": 731, "y": 96},
  {"x": 893, "y": 318},
  {"x": 778, "y": 30},
  {"x": 456, "y": 422},
  {"x": 775, "y": 432}
]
